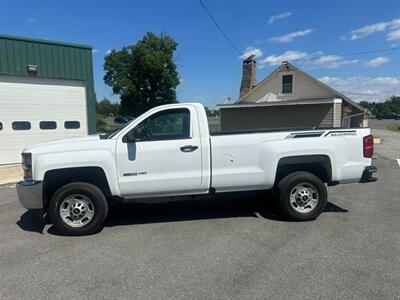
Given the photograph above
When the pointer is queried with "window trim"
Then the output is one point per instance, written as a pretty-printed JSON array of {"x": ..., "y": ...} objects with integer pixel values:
[
  {"x": 30, "y": 125},
  {"x": 281, "y": 84},
  {"x": 124, "y": 138},
  {"x": 40, "y": 125}
]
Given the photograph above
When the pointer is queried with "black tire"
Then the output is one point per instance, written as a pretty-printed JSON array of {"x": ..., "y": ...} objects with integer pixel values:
[
  {"x": 90, "y": 191},
  {"x": 287, "y": 184}
]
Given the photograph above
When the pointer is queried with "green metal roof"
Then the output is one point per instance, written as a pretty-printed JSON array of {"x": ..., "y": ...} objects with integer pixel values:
[{"x": 43, "y": 41}]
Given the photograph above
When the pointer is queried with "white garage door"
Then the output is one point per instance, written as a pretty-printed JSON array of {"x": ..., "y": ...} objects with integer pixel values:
[{"x": 34, "y": 110}]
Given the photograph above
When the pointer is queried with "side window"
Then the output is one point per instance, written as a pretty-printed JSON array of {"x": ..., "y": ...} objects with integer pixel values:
[
  {"x": 21, "y": 125},
  {"x": 1, "y": 126},
  {"x": 45, "y": 125},
  {"x": 170, "y": 124},
  {"x": 287, "y": 84},
  {"x": 72, "y": 124}
]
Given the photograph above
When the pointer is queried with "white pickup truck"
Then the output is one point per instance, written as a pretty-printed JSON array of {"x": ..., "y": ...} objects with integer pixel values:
[{"x": 168, "y": 151}]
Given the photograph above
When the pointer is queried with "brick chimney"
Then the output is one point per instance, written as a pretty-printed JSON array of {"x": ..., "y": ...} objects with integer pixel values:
[{"x": 249, "y": 75}]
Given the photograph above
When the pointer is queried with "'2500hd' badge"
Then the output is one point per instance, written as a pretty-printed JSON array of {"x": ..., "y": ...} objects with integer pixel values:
[{"x": 135, "y": 173}]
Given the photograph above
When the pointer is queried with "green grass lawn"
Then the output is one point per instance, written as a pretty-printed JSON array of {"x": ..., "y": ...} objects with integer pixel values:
[{"x": 393, "y": 127}]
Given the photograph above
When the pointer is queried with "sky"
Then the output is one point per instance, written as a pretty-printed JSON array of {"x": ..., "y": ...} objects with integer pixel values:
[{"x": 319, "y": 37}]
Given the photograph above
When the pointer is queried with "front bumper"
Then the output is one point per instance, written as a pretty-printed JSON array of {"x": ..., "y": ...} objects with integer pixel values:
[
  {"x": 367, "y": 174},
  {"x": 30, "y": 194}
]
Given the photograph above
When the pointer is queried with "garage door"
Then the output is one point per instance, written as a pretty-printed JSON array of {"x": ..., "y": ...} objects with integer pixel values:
[{"x": 34, "y": 110}]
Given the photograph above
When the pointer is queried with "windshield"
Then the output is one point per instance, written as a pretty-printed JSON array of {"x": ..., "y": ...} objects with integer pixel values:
[{"x": 112, "y": 134}]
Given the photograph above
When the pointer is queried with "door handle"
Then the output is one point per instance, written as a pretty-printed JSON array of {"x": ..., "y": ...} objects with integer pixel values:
[{"x": 189, "y": 148}]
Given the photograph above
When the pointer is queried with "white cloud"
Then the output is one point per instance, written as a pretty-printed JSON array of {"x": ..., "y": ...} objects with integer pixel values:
[
  {"x": 392, "y": 29},
  {"x": 332, "y": 61},
  {"x": 274, "y": 60},
  {"x": 316, "y": 59},
  {"x": 376, "y": 62},
  {"x": 272, "y": 19},
  {"x": 181, "y": 81},
  {"x": 251, "y": 51},
  {"x": 94, "y": 51},
  {"x": 393, "y": 35},
  {"x": 365, "y": 88},
  {"x": 291, "y": 36},
  {"x": 108, "y": 51}
]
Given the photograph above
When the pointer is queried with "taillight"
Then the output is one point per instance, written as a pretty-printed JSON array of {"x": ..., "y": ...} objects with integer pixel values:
[{"x": 368, "y": 146}]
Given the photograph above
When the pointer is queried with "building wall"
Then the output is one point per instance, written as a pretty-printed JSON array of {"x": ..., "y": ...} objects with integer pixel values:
[
  {"x": 54, "y": 60},
  {"x": 337, "y": 113},
  {"x": 303, "y": 88},
  {"x": 358, "y": 120},
  {"x": 296, "y": 116}
]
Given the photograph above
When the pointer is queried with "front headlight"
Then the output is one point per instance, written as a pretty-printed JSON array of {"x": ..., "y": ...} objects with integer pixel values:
[{"x": 27, "y": 165}]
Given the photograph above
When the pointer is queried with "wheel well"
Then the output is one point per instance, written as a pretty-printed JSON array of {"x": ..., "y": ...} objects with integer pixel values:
[
  {"x": 55, "y": 179},
  {"x": 319, "y": 165}
]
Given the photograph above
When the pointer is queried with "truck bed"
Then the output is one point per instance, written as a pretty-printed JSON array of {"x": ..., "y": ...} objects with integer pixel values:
[{"x": 250, "y": 161}]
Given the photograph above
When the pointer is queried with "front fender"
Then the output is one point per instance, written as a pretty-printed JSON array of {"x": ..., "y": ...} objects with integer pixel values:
[{"x": 103, "y": 159}]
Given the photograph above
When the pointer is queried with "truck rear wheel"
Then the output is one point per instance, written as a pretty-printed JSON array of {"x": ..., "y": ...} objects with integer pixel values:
[
  {"x": 78, "y": 208},
  {"x": 302, "y": 196}
]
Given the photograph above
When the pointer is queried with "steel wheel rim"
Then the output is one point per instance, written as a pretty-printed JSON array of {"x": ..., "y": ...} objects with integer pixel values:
[
  {"x": 304, "y": 197},
  {"x": 76, "y": 210}
]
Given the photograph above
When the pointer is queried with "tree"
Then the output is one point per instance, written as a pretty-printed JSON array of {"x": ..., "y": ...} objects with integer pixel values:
[
  {"x": 211, "y": 112},
  {"x": 391, "y": 105},
  {"x": 107, "y": 108},
  {"x": 143, "y": 74}
]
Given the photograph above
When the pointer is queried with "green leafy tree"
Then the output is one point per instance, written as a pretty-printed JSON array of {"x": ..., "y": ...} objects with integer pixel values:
[
  {"x": 107, "y": 108},
  {"x": 390, "y": 105},
  {"x": 143, "y": 74},
  {"x": 211, "y": 112}
]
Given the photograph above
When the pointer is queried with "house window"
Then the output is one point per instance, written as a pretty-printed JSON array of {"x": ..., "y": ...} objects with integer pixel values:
[
  {"x": 287, "y": 84},
  {"x": 1, "y": 126}
]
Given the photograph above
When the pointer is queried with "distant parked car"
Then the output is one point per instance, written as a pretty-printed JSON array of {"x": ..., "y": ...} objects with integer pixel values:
[
  {"x": 123, "y": 119},
  {"x": 387, "y": 115}
]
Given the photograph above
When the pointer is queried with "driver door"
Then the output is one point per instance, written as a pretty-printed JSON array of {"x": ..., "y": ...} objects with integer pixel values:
[{"x": 161, "y": 155}]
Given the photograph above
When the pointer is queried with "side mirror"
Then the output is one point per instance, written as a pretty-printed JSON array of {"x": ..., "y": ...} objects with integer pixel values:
[
  {"x": 132, "y": 137},
  {"x": 128, "y": 139}
]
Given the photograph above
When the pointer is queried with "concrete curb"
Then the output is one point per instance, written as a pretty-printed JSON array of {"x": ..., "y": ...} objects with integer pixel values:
[{"x": 10, "y": 173}]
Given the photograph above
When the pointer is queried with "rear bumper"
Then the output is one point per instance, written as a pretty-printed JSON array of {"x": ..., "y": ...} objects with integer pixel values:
[
  {"x": 30, "y": 194},
  {"x": 367, "y": 174}
]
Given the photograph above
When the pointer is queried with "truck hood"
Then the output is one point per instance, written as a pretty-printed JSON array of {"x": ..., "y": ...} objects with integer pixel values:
[{"x": 71, "y": 144}]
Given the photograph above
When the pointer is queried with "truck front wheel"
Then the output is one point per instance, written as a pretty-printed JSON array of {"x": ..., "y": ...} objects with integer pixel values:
[
  {"x": 302, "y": 196},
  {"x": 78, "y": 208}
]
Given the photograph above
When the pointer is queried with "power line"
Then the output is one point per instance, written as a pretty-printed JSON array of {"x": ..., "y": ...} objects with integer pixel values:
[
  {"x": 302, "y": 59},
  {"x": 219, "y": 27},
  {"x": 219, "y": 83},
  {"x": 349, "y": 54}
]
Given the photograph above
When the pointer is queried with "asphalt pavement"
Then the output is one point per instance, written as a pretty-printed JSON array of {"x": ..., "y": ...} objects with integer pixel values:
[{"x": 231, "y": 247}]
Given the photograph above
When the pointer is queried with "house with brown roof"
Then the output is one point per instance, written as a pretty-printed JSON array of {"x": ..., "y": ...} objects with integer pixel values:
[{"x": 289, "y": 98}]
